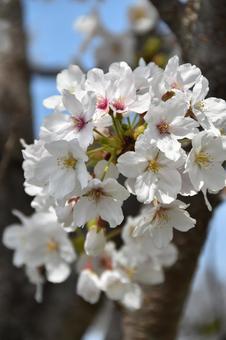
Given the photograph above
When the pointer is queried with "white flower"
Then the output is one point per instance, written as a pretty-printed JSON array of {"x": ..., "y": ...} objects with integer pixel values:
[
  {"x": 88, "y": 286},
  {"x": 154, "y": 176},
  {"x": 125, "y": 99},
  {"x": 204, "y": 162},
  {"x": 95, "y": 242},
  {"x": 115, "y": 48},
  {"x": 32, "y": 155},
  {"x": 89, "y": 25},
  {"x": 41, "y": 242},
  {"x": 101, "y": 86},
  {"x": 63, "y": 169},
  {"x": 160, "y": 220},
  {"x": 167, "y": 123},
  {"x": 180, "y": 77},
  {"x": 144, "y": 74},
  {"x": 72, "y": 80},
  {"x": 133, "y": 298},
  {"x": 76, "y": 125},
  {"x": 101, "y": 199},
  {"x": 114, "y": 284},
  {"x": 143, "y": 16},
  {"x": 209, "y": 110}
]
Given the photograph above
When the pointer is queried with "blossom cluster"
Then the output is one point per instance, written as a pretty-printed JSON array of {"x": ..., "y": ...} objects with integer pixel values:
[{"x": 146, "y": 132}]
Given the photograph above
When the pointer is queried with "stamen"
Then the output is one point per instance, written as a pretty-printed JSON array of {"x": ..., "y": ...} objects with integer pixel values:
[
  {"x": 79, "y": 122},
  {"x": 163, "y": 127},
  {"x": 153, "y": 166},
  {"x": 69, "y": 162},
  {"x": 102, "y": 103},
  {"x": 96, "y": 194},
  {"x": 202, "y": 159},
  {"x": 199, "y": 106},
  {"x": 161, "y": 214},
  {"x": 52, "y": 246},
  {"x": 119, "y": 104},
  {"x": 168, "y": 95}
]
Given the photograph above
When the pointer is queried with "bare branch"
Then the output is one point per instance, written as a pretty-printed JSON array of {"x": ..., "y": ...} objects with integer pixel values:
[
  {"x": 43, "y": 71},
  {"x": 39, "y": 70}
]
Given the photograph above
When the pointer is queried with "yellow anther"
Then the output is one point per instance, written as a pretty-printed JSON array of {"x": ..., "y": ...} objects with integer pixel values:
[
  {"x": 161, "y": 214},
  {"x": 202, "y": 159},
  {"x": 153, "y": 166},
  {"x": 69, "y": 162},
  {"x": 52, "y": 246},
  {"x": 200, "y": 106}
]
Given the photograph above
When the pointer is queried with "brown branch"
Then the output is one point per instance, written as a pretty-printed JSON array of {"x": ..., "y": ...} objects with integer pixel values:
[{"x": 44, "y": 71}]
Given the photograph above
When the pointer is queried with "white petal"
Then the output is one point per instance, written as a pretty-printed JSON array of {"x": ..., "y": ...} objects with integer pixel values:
[
  {"x": 71, "y": 103},
  {"x": 110, "y": 211},
  {"x": 59, "y": 273},
  {"x": 162, "y": 236},
  {"x": 131, "y": 164},
  {"x": 84, "y": 211}
]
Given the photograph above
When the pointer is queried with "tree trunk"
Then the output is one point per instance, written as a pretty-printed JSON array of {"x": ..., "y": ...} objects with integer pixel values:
[{"x": 201, "y": 32}]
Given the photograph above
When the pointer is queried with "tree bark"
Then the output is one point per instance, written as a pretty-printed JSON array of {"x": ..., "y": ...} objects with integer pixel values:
[{"x": 201, "y": 32}]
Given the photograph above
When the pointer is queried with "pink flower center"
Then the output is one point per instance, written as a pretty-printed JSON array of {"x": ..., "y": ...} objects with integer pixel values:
[
  {"x": 79, "y": 122},
  {"x": 119, "y": 105},
  {"x": 106, "y": 262},
  {"x": 102, "y": 104},
  {"x": 89, "y": 265},
  {"x": 176, "y": 86}
]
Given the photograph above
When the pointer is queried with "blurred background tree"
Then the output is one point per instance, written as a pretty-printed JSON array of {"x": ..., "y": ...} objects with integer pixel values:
[{"x": 36, "y": 42}]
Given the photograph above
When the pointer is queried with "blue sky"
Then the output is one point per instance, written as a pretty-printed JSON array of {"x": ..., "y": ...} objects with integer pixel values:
[{"x": 53, "y": 42}]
